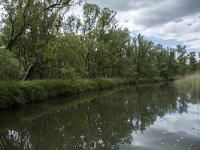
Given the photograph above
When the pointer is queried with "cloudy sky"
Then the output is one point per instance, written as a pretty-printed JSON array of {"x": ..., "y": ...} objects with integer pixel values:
[{"x": 168, "y": 22}]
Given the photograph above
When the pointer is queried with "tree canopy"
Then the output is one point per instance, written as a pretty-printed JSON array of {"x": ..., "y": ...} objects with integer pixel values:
[{"x": 38, "y": 41}]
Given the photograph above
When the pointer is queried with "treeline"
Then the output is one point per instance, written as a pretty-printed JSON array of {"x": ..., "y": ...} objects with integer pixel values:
[{"x": 38, "y": 41}]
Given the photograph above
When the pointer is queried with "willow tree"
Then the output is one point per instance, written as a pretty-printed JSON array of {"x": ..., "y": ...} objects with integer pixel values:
[
  {"x": 142, "y": 48},
  {"x": 29, "y": 25},
  {"x": 91, "y": 13},
  {"x": 98, "y": 26},
  {"x": 65, "y": 57}
]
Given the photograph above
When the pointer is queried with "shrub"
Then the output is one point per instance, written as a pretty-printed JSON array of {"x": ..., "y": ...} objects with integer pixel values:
[{"x": 9, "y": 65}]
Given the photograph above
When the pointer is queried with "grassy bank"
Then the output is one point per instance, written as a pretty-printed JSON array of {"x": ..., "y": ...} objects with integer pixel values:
[{"x": 22, "y": 92}]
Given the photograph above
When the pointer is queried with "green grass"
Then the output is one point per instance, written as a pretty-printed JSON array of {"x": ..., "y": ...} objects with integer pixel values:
[
  {"x": 21, "y": 92},
  {"x": 151, "y": 80}
]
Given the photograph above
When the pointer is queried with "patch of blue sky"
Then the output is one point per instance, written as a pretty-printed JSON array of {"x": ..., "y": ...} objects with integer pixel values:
[{"x": 166, "y": 43}]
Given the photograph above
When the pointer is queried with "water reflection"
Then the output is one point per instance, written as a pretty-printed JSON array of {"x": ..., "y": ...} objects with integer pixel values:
[{"x": 145, "y": 117}]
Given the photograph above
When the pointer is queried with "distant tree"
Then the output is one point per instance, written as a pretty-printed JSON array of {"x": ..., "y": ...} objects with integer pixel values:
[
  {"x": 172, "y": 63},
  {"x": 116, "y": 60},
  {"x": 198, "y": 60},
  {"x": 142, "y": 48},
  {"x": 182, "y": 59},
  {"x": 162, "y": 60},
  {"x": 193, "y": 64},
  {"x": 73, "y": 24}
]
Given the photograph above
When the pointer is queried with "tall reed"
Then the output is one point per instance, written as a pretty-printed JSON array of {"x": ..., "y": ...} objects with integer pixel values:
[{"x": 191, "y": 81}]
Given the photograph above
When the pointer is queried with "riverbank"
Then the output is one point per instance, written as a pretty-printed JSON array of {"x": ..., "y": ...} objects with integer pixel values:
[{"x": 14, "y": 93}]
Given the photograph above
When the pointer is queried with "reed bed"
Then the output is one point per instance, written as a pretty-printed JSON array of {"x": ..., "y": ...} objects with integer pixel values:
[{"x": 191, "y": 81}]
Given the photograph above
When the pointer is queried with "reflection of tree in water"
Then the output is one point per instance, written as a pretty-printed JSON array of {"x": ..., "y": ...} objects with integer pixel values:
[
  {"x": 15, "y": 139},
  {"x": 104, "y": 123},
  {"x": 186, "y": 96}
]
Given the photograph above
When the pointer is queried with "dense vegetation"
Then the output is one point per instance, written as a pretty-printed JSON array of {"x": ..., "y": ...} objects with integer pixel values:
[
  {"x": 14, "y": 93},
  {"x": 22, "y": 92},
  {"x": 38, "y": 41}
]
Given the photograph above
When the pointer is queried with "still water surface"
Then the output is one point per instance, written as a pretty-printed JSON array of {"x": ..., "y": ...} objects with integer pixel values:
[{"x": 150, "y": 117}]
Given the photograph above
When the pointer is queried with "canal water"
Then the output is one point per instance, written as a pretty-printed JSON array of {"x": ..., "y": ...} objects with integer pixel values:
[{"x": 147, "y": 117}]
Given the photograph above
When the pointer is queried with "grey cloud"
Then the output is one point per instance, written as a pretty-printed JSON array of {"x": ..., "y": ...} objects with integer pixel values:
[
  {"x": 167, "y": 12},
  {"x": 121, "y": 5},
  {"x": 153, "y": 12},
  {"x": 191, "y": 40}
]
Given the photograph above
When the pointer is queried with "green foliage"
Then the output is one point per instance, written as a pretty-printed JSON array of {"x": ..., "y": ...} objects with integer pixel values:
[
  {"x": 87, "y": 46},
  {"x": 66, "y": 57},
  {"x": 29, "y": 27},
  {"x": 9, "y": 66},
  {"x": 146, "y": 61},
  {"x": 22, "y": 92},
  {"x": 182, "y": 59},
  {"x": 193, "y": 64}
]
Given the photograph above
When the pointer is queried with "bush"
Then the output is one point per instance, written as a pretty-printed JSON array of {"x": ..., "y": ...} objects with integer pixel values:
[{"x": 9, "y": 66}]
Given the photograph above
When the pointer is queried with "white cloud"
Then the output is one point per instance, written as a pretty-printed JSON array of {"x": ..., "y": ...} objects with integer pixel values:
[
  {"x": 185, "y": 30},
  {"x": 177, "y": 20}
]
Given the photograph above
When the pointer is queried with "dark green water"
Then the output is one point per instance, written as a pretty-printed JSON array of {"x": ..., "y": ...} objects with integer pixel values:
[{"x": 151, "y": 117}]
